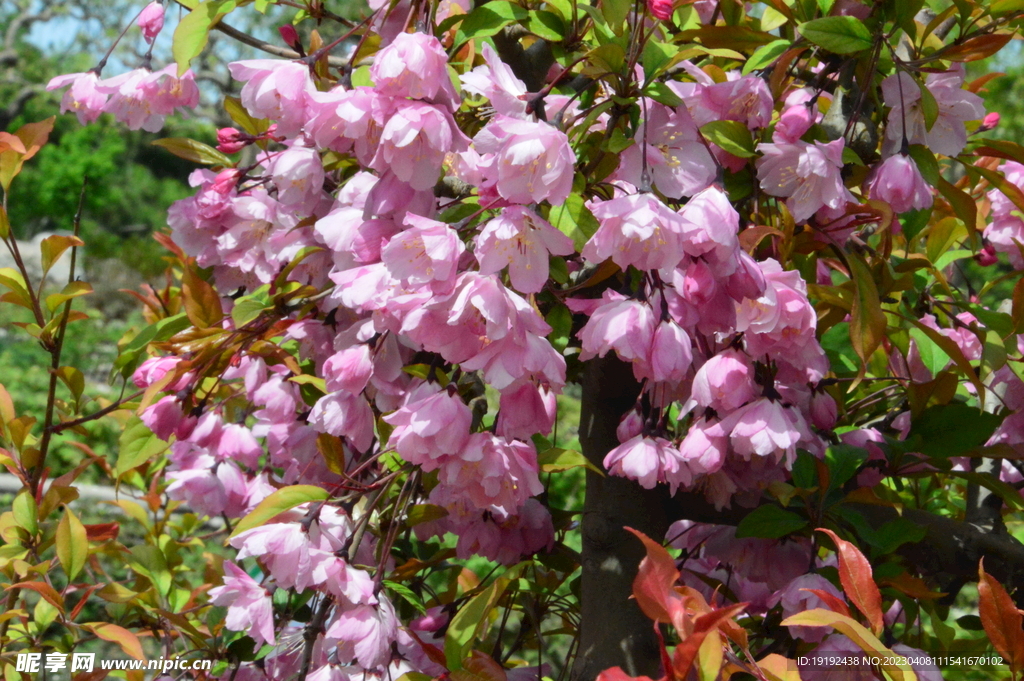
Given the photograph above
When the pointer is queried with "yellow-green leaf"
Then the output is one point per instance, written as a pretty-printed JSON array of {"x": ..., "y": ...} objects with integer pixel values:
[
  {"x": 194, "y": 151},
  {"x": 867, "y": 321},
  {"x": 864, "y": 639},
  {"x": 72, "y": 544},
  {"x": 193, "y": 31},
  {"x": 277, "y": 503},
  {"x": 52, "y": 247}
]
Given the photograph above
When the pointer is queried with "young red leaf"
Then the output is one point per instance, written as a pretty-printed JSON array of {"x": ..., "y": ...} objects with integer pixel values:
[
  {"x": 652, "y": 587},
  {"x": 833, "y": 603},
  {"x": 857, "y": 580},
  {"x": 1001, "y": 619}
]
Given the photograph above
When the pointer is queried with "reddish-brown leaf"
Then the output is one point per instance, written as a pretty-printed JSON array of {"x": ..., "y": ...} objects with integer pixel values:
[
  {"x": 1001, "y": 619},
  {"x": 100, "y": 532},
  {"x": 978, "y": 47},
  {"x": 857, "y": 580},
  {"x": 128, "y": 641},
  {"x": 834, "y": 604},
  {"x": 652, "y": 587},
  {"x": 48, "y": 593},
  {"x": 686, "y": 652}
]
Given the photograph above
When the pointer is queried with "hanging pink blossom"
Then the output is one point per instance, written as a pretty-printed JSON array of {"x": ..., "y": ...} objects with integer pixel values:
[
  {"x": 249, "y": 606},
  {"x": 151, "y": 21},
  {"x": 806, "y": 174},
  {"x": 532, "y": 161},
  {"x": 898, "y": 182},
  {"x": 522, "y": 240}
]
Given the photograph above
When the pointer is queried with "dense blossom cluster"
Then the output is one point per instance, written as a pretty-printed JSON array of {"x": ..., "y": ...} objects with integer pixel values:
[{"x": 724, "y": 345}]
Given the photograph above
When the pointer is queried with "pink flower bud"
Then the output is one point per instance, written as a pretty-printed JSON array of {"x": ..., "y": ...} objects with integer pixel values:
[
  {"x": 823, "y": 411},
  {"x": 660, "y": 9},
  {"x": 225, "y": 181},
  {"x": 990, "y": 121},
  {"x": 289, "y": 35},
  {"x": 986, "y": 257},
  {"x": 230, "y": 141},
  {"x": 151, "y": 20}
]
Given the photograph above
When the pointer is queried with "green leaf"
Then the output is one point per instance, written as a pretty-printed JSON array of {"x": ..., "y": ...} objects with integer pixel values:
[
  {"x": 949, "y": 257},
  {"x": 731, "y": 136},
  {"x": 926, "y": 163},
  {"x": 72, "y": 544},
  {"x": 138, "y": 444},
  {"x": 248, "y": 308},
  {"x": 932, "y": 356},
  {"x": 963, "y": 205},
  {"x": 615, "y": 13},
  {"x": 149, "y": 561},
  {"x": 424, "y": 513},
  {"x": 471, "y": 621},
  {"x": 26, "y": 514},
  {"x": 574, "y": 220},
  {"x": 489, "y": 18},
  {"x": 953, "y": 429},
  {"x": 545, "y": 25},
  {"x": 557, "y": 459},
  {"x": 841, "y": 35},
  {"x": 929, "y": 107},
  {"x": 770, "y": 522},
  {"x": 277, "y": 503},
  {"x": 71, "y": 290},
  {"x": 406, "y": 593},
  {"x": 560, "y": 321},
  {"x": 867, "y": 321},
  {"x": 662, "y": 94},
  {"x": 135, "y": 350},
  {"x": 766, "y": 54},
  {"x": 193, "y": 31},
  {"x": 194, "y": 151}
]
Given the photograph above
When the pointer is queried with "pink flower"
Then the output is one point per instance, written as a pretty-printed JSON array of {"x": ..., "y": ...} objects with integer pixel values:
[
  {"x": 414, "y": 143},
  {"x": 704, "y": 448},
  {"x": 414, "y": 65},
  {"x": 637, "y": 230},
  {"x": 427, "y": 252},
  {"x": 365, "y": 633},
  {"x": 83, "y": 97},
  {"x": 525, "y": 409},
  {"x": 793, "y": 123},
  {"x": 493, "y": 473},
  {"x": 745, "y": 99},
  {"x": 808, "y": 175},
  {"x": 350, "y": 369},
  {"x": 712, "y": 226},
  {"x": 141, "y": 99},
  {"x": 678, "y": 162},
  {"x": 344, "y": 415},
  {"x": 532, "y": 161},
  {"x": 671, "y": 353},
  {"x": 626, "y": 326},
  {"x": 766, "y": 428},
  {"x": 430, "y": 427},
  {"x": 155, "y": 368},
  {"x": 249, "y": 606},
  {"x": 1006, "y": 227},
  {"x": 151, "y": 21},
  {"x": 725, "y": 382},
  {"x": 648, "y": 460},
  {"x": 495, "y": 81},
  {"x": 948, "y": 135},
  {"x": 298, "y": 174},
  {"x": 522, "y": 240},
  {"x": 275, "y": 89},
  {"x": 898, "y": 182}
]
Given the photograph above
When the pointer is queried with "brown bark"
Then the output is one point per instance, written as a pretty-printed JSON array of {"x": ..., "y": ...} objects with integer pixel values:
[{"x": 613, "y": 630}]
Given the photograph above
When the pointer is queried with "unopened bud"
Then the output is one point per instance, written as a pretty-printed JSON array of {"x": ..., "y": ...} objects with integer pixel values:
[
  {"x": 990, "y": 121},
  {"x": 230, "y": 140},
  {"x": 986, "y": 257},
  {"x": 289, "y": 35},
  {"x": 226, "y": 181}
]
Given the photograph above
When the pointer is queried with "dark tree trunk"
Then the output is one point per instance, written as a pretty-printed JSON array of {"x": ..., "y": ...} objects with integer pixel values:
[{"x": 613, "y": 630}]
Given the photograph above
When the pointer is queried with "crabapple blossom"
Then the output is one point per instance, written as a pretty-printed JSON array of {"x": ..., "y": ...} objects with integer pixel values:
[
  {"x": 532, "y": 161},
  {"x": 947, "y": 134},
  {"x": 805, "y": 174},
  {"x": 84, "y": 97},
  {"x": 151, "y": 21},
  {"x": 249, "y": 606},
  {"x": 522, "y": 240},
  {"x": 898, "y": 182}
]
